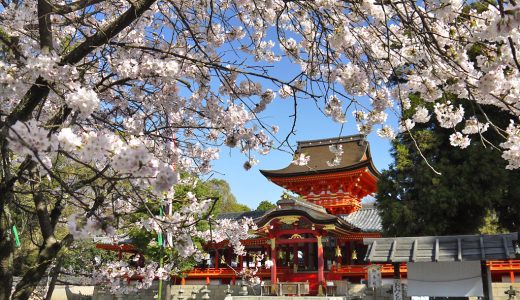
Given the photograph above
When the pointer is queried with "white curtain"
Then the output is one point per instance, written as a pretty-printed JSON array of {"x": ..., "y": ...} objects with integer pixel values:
[{"x": 445, "y": 279}]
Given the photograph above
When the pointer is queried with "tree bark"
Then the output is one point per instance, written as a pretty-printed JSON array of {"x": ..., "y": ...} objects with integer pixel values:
[
  {"x": 23, "y": 112},
  {"x": 55, "y": 272},
  {"x": 32, "y": 277},
  {"x": 6, "y": 255}
]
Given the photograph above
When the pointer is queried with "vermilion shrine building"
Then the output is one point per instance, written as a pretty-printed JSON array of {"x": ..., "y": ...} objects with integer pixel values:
[{"x": 317, "y": 237}]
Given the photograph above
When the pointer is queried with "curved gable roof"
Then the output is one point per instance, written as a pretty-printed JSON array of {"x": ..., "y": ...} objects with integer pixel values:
[{"x": 356, "y": 154}]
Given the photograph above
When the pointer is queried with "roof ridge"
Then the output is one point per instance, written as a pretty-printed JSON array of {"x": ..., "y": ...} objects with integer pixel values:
[{"x": 346, "y": 138}]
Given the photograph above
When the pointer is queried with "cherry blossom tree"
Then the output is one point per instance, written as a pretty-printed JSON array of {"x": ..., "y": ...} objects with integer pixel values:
[{"x": 103, "y": 102}]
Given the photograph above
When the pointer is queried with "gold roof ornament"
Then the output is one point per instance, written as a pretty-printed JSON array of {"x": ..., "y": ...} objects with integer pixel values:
[
  {"x": 289, "y": 219},
  {"x": 296, "y": 237}
]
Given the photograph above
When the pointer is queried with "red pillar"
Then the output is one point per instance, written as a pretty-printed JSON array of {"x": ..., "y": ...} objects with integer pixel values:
[
  {"x": 241, "y": 261},
  {"x": 216, "y": 259},
  {"x": 321, "y": 277},
  {"x": 273, "y": 268}
]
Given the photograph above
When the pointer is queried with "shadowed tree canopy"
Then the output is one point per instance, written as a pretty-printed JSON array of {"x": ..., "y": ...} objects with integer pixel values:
[{"x": 474, "y": 184}]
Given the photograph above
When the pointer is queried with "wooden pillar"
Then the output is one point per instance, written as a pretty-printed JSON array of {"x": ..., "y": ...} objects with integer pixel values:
[
  {"x": 215, "y": 264},
  {"x": 486, "y": 281},
  {"x": 241, "y": 261},
  {"x": 274, "y": 283},
  {"x": 306, "y": 261},
  {"x": 295, "y": 258},
  {"x": 349, "y": 253},
  {"x": 229, "y": 256},
  {"x": 321, "y": 276}
]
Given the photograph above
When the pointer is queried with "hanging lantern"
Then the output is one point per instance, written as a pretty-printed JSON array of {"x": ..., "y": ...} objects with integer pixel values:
[
  {"x": 268, "y": 263},
  {"x": 354, "y": 255},
  {"x": 223, "y": 260},
  {"x": 338, "y": 251}
]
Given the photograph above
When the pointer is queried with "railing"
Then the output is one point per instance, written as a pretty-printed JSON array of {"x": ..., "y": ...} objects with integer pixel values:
[
  {"x": 348, "y": 270},
  {"x": 504, "y": 265}
]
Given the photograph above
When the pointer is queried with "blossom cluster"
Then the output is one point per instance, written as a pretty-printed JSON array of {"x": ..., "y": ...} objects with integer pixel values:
[{"x": 126, "y": 96}]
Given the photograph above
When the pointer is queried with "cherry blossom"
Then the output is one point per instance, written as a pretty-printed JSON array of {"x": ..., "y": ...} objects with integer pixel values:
[
  {"x": 301, "y": 159},
  {"x": 111, "y": 101},
  {"x": 457, "y": 139}
]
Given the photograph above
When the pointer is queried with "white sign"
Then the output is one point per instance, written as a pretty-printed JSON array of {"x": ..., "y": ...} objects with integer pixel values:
[
  {"x": 445, "y": 279},
  {"x": 374, "y": 276}
]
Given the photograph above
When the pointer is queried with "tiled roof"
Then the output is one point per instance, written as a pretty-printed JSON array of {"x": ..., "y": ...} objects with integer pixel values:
[
  {"x": 367, "y": 219},
  {"x": 441, "y": 248},
  {"x": 356, "y": 154},
  {"x": 239, "y": 215}
]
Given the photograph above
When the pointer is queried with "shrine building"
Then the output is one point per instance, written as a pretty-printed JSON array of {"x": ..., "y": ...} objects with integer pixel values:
[{"x": 317, "y": 236}]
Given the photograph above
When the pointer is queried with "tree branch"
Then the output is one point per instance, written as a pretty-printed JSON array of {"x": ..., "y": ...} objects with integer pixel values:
[{"x": 74, "y": 6}]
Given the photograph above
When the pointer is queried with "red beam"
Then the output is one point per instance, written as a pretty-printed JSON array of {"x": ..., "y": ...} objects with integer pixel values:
[
  {"x": 295, "y": 241},
  {"x": 278, "y": 233}
]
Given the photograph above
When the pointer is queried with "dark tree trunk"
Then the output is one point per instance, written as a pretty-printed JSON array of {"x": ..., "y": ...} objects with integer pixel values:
[
  {"x": 6, "y": 258},
  {"x": 6, "y": 239},
  {"x": 55, "y": 272},
  {"x": 32, "y": 277}
]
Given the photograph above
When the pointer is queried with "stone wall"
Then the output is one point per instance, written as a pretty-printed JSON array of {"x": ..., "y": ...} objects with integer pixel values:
[
  {"x": 499, "y": 289},
  {"x": 103, "y": 293},
  {"x": 67, "y": 292},
  {"x": 218, "y": 292}
]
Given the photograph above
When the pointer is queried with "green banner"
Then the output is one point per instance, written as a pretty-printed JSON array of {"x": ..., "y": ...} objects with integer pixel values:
[{"x": 16, "y": 237}]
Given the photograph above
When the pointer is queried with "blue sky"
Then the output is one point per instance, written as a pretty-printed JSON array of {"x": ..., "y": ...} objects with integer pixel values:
[{"x": 251, "y": 187}]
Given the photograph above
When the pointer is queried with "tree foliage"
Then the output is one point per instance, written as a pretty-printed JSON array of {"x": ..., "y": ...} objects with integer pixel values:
[
  {"x": 104, "y": 103},
  {"x": 226, "y": 200},
  {"x": 265, "y": 205},
  {"x": 473, "y": 186}
]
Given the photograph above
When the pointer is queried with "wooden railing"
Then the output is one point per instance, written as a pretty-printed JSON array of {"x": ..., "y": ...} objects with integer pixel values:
[{"x": 498, "y": 266}]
